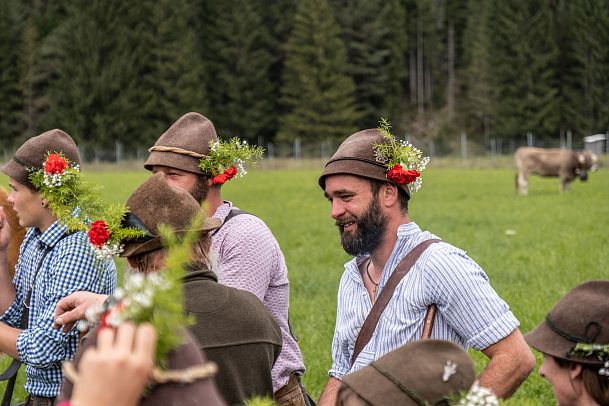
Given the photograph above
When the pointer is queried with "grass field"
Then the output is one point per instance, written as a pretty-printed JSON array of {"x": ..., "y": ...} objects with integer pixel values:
[{"x": 559, "y": 241}]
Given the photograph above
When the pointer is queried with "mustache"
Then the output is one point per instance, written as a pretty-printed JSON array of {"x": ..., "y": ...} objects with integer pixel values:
[{"x": 341, "y": 222}]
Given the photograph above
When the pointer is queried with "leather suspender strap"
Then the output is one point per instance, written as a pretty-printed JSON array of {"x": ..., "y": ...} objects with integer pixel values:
[{"x": 365, "y": 334}]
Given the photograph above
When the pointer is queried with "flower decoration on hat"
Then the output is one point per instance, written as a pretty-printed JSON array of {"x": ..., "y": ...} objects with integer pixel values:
[
  {"x": 79, "y": 205},
  {"x": 600, "y": 350},
  {"x": 228, "y": 159},
  {"x": 404, "y": 162},
  {"x": 155, "y": 298},
  {"x": 478, "y": 396}
]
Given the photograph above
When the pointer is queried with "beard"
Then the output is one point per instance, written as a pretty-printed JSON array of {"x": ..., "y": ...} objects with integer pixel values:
[
  {"x": 368, "y": 235},
  {"x": 200, "y": 189}
]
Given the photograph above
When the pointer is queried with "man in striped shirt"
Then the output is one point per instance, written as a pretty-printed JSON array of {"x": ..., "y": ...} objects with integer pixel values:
[{"x": 369, "y": 181}]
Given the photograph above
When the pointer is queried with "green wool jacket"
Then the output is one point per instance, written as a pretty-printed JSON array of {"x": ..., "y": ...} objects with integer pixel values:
[{"x": 236, "y": 332}]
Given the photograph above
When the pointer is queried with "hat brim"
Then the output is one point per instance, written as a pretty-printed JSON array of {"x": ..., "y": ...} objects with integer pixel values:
[
  {"x": 18, "y": 172},
  {"x": 173, "y": 160},
  {"x": 382, "y": 391},
  {"x": 138, "y": 248},
  {"x": 545, "y": 340}
]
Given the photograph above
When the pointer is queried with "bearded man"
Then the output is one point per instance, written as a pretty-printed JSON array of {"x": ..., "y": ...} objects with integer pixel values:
[{"x": 368, "y": 182}]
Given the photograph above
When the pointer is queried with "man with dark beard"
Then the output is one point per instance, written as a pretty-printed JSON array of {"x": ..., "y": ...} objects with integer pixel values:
[{"x": 368, "y": 182}]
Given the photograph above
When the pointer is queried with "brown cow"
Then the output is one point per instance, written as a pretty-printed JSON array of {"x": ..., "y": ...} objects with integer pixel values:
[
  {"x": 563, "y": 163},
  {"x": 17, "y": 232}
]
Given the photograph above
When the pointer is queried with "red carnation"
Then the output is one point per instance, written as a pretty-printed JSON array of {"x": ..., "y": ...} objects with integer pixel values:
[
  {"x": 55, "y": 164},
  {"x": 398, "y": 175},
  {"x": 219, "y": 179},
  {"x": 412, "y": 175},
  {"x": 98, "y": 233},
  {"x": 230, "y": 172}
]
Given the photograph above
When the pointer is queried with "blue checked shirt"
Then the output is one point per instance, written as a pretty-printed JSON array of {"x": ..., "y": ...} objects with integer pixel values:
[
  {"x": 69, "y": 266},
  {"x": 470, "y": 313}
]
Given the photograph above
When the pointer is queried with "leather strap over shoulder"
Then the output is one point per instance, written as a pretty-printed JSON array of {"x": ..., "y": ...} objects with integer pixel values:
[{"x": 401, "y": 270}]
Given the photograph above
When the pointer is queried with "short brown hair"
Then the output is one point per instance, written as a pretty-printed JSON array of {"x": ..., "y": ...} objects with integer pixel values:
[{"x": 596, "y": 385}]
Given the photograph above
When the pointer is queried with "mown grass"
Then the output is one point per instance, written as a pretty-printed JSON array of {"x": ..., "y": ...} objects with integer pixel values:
[{"x": 559, "y": 242}]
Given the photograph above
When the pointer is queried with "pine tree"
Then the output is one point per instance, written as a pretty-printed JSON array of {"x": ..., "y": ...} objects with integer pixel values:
[
  {"x": 11, "y": 119},
  {"x": 317, "y": 92},
  {"x": 171, "y": 59},
  {"x": 99, "y": 95},
  {"x": 590, "y": 20},
  {"x": 375, "y": 35},
  {"x": 238, "y": 61}
]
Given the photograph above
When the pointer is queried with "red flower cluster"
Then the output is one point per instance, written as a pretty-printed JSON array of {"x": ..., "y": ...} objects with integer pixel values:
[
  {"x": 98, "y": 233},
  {"x": 398, "y": 175},
  {"x": 55, "y": 164},
  {"x": 224, "y": 176}
]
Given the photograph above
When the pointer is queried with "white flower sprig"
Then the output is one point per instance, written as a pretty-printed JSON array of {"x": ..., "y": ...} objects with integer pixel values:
[
  {"x": 227, "y": 159},
  {"x": 400, "y": 156},
  {"x": 479, "y": 396}
]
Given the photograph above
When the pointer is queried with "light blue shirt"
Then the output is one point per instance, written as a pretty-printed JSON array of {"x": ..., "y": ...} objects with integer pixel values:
[
  {"x": 69, "y": 266},
  {"x": 470, "y": 313}
]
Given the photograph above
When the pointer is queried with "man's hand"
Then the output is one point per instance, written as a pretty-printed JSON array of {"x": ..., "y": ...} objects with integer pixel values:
[
  {"x": 5, "y": 231},
  {"x": 72, "y": 308},
  {"x": 115, "y": 372}
]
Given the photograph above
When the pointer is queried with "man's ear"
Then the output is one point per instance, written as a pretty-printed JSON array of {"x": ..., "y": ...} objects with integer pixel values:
[
  {"x": 389, "y": 194},
  {"x": 575, "y": 371},
  {"x": 45, "y": 202}
]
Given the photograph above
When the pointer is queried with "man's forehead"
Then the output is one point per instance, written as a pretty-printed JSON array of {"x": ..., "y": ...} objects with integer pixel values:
[{"x": 343, "y": 183}]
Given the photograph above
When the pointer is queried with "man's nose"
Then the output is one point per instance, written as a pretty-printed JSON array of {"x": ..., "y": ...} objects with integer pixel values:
[{"x": 338, "y": 208}]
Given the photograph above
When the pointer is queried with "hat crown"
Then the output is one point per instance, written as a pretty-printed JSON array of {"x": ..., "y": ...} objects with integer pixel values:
[
  {"x": 585, "y": 306},
  {"x": 155, "y": 202},
  {"x": 191, "y": 134},
  {"x": 33, "y": 154},
  {"x": 359, "y": 145}
]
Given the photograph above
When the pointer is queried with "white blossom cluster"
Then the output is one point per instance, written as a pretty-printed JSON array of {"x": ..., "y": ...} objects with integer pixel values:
[
  {"x": 479, "y": 396},
  {"x": 605, "y": 370},
  {"x": 57, "y": 179},
  {"x": 240, "y": 164},
  {"x": 107, "y": 251},
  {"x": 139, "y": 290}
]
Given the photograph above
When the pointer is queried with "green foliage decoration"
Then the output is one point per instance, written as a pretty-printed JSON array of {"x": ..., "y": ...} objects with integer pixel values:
[{"x": 226, "y": 154}]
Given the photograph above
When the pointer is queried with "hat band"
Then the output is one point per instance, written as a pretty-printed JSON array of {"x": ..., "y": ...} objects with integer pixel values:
[
  {"x": 130, "y": 220},
  {"x": 160, "y": 148},
  {"x": 398, "y": 384},
  {"x": 24, "y": 163},
  {"x": 586, "y": 339},
  {"x": 353, "y": 158}
]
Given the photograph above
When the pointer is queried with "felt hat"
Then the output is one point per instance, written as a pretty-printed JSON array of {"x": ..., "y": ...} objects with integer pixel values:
[
  {"x": 33, "y": 154},
  {"x": 355, "y": 156},
  {"x": 417, "y": 372},
  {"x": 154, "y": 203},
  {"x": 581, "y": 316},
  {"x": 184, "y": 144}
]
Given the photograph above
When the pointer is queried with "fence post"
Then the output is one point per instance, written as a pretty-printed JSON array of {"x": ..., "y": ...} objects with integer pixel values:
[
  {"x": 119, "y": 152},
  {"x": 271, "y": 150},
  {"x": 297, "y": 148},
  {"x": 463, "y": 146},
  {"x": 432, "y": 149},
  {"x": 530, "y": 139},
  {"x": 569, "y": 139}
]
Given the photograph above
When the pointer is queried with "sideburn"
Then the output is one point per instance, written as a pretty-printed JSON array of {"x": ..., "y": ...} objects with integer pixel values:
[{"x": 200, "y": 189}]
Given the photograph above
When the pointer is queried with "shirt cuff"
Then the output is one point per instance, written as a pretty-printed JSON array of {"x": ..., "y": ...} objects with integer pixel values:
[
  {"x": 497, "y": 330},
  {"x": 10, "y": 315},
  {"x": 22, "y": 340},
  {"x": 338, "y": 374}
]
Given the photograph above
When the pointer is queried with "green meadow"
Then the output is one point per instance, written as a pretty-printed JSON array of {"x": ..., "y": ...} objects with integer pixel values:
[{"x": 534, "y": 249}]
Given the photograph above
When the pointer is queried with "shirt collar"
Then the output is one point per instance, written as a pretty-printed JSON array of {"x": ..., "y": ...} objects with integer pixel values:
[
  {"x": 223, "y": 210},
  {"x": 405, "y": 231},
  {"x": 53, "y": 234}
]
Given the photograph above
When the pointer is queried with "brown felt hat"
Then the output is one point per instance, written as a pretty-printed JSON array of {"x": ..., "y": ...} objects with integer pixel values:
[
  {"x": 34, "y": 151},
  {"x": 581, "y": 316},
  {"x": 415, "y": 370},
  {"x": 184, "y": 144},
  {"x": 355, "y": 156},
  {"x": 153, "y": 203}
]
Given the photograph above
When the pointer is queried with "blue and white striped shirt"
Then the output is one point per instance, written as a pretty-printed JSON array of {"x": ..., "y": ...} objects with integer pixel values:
[
  {"x": 470, "y": 313},
  {"x": 69, "y": 266}
]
